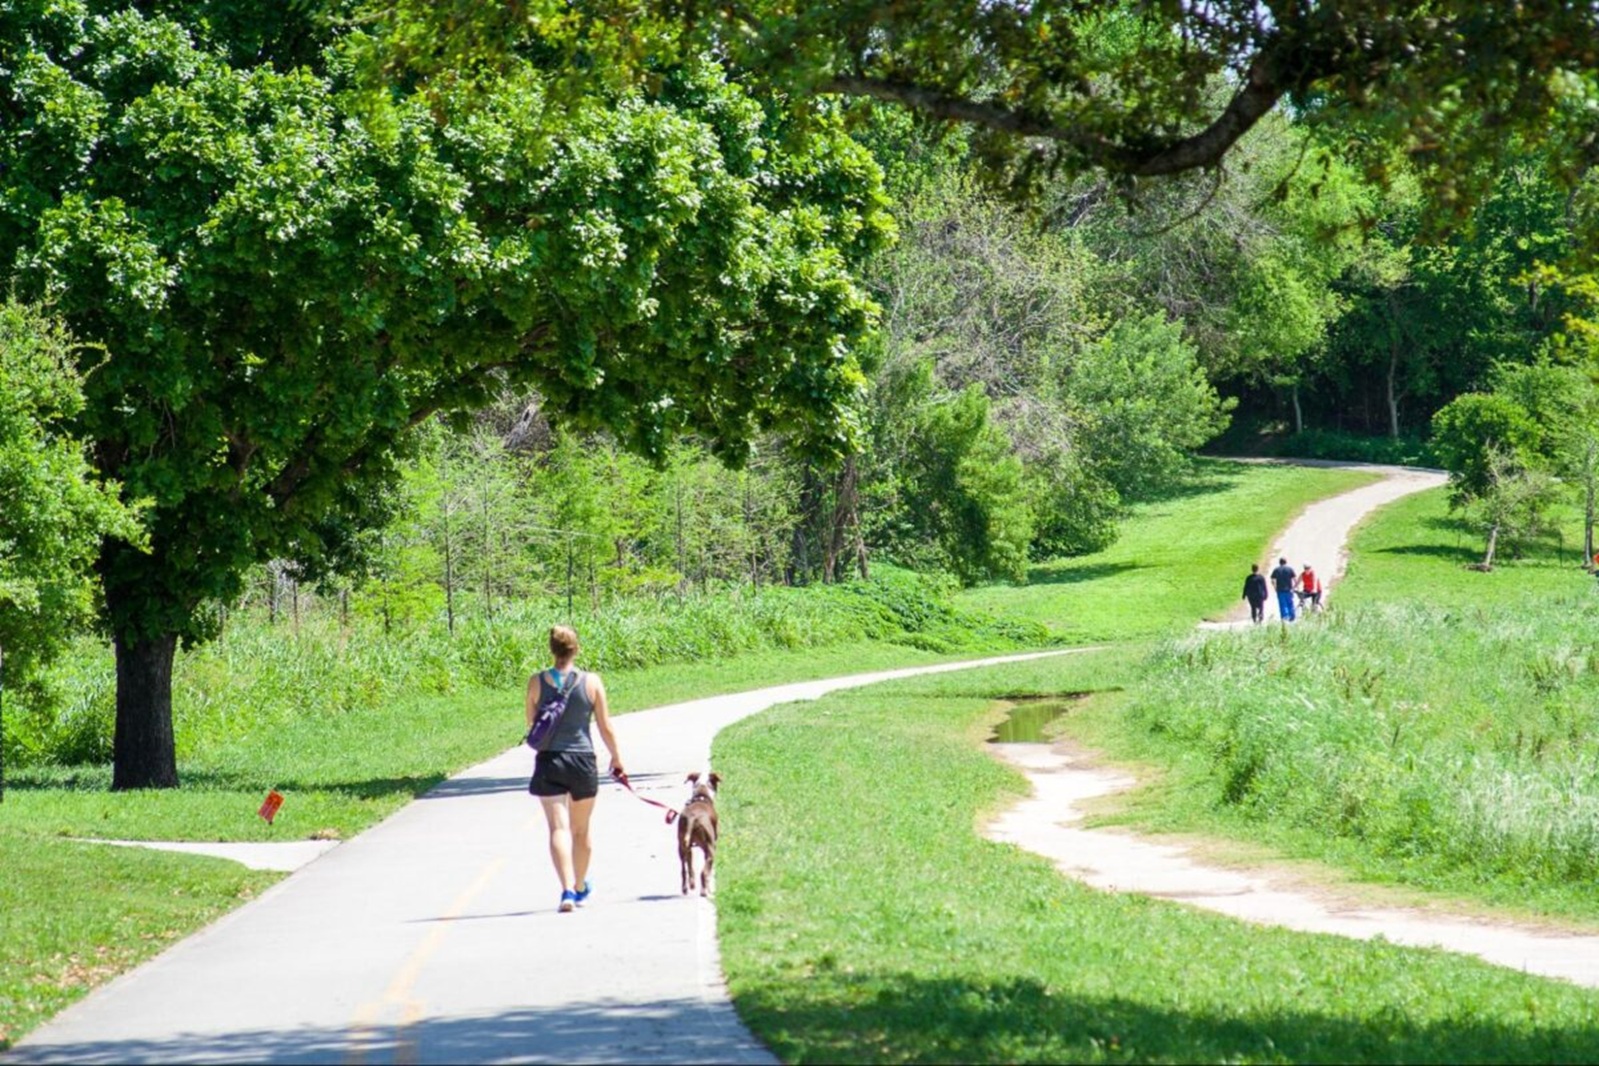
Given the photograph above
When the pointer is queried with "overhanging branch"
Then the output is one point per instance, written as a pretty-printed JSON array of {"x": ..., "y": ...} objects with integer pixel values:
[{"x": 1264, "y": 85}]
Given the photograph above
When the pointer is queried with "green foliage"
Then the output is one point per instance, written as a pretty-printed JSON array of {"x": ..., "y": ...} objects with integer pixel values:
[
  {"x": 1060, "y": 85},
  {"x": 256, "y": 679},
  {"x": 1144, "y": 405},
  {"x": 1470, "y": 430},
  {"x": 287, "y": 278},
  {"x": 649, "y": 262},
  {"x": 968, "y": 489},
  {"x": 54, "y": 506},
  {"x": 1328, "y": 444},
  {"x": 982, "y": 304}
]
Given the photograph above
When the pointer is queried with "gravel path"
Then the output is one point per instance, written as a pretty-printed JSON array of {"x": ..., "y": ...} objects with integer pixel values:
[{"x": 1050, "y": 821}]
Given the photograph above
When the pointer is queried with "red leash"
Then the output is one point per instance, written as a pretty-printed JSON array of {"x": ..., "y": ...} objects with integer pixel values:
[{"x": 621, "y": 779}]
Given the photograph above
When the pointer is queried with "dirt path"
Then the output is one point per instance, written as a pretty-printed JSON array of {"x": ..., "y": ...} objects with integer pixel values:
[{"x": 1050, "y": 822}]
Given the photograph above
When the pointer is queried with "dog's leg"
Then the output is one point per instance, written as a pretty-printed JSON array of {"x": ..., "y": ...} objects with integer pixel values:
[
  {"x": 705, "y": 874},
  {"x": 685, "y": 857}
]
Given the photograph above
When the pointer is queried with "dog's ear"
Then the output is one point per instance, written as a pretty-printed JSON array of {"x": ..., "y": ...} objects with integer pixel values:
[
  {"x": 693, "y": 778},
  {"x": 716, "y": 780}
]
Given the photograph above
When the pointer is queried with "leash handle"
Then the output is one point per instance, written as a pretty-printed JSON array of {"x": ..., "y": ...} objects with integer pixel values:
[{"x": 621, "y": 779}]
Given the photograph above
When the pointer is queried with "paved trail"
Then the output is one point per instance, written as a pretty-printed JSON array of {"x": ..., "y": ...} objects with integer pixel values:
[
  {"x": 433, "y": 937},
  {"x": 1050, "y": 821}
]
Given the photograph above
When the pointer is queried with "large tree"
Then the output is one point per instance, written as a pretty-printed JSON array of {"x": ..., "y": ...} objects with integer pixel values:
[
  {"x": 1129, "y": 88},
  {"x": 287, "y": 279}
]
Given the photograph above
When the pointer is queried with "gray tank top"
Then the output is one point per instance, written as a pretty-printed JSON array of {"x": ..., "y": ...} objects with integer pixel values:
[{"x": 572, "y": 732}]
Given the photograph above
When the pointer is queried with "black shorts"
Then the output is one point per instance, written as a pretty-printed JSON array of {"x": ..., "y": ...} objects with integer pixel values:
[{"x": 559, "y": 773}]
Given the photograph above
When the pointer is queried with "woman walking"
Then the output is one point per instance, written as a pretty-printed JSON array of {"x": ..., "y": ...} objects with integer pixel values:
[{"x": 565, "y": 778}]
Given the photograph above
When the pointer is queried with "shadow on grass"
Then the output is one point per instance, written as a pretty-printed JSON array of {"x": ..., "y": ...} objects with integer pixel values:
[
  {"x": 98, "y": 779},
  {"x": 1063, "y": 573},
  {"x": 900, "y": 1017},
  {"x": 1462, "y": 555}
]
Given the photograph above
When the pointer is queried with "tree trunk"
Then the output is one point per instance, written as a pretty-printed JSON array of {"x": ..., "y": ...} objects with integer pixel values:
[
  {"x": 1493, "y": 543},
  {"x": 1299, "y": 414},
  {"x": 144, "y": 753},
  {"x": 449, "y": 576},
  {"x": 1393, "y": 392},
  {"x": 1590, "y": 470}
]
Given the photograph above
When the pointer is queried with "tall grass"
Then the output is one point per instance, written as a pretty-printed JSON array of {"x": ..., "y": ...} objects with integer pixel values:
[
  {"x": 258, "y": 676},
  {"x": 863, "y": 919},
  {"x": 1462, "y": 737}
]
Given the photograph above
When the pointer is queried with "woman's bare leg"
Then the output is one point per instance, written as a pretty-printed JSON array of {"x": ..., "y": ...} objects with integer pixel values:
[
  {"x": 558, "y": 812},
  {"x": 582, "y": 810}
]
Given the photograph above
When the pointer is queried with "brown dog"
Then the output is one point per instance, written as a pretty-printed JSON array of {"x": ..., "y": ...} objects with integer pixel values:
[{"x": 696, "y": 828}]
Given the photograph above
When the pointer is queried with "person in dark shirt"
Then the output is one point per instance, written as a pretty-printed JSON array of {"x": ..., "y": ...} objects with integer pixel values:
[
  {"x": 1255, "y": 593},
  {"x": 1282, "y": 579}
]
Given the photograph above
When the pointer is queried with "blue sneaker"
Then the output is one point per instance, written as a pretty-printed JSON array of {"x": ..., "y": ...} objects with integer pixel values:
[
  {"x": 581, "y": 896},
  {"x": 568, "y": 902}
]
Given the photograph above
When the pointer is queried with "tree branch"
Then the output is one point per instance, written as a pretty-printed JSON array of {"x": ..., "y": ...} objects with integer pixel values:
[{"x": 1266, "y": 83}]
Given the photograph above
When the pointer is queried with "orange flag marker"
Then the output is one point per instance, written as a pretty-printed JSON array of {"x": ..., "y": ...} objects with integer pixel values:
[{"x": 269, "y": 808}]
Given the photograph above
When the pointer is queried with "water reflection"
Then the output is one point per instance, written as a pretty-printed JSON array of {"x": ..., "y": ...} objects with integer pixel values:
[{"x": 1028, "y": 720}]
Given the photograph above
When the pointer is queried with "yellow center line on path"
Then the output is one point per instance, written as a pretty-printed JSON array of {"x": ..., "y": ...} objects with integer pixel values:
[{"x": 363, "y": 1028}]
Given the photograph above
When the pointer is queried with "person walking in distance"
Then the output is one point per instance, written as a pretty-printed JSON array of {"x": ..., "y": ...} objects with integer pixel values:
[
  {"x": 565, "y": 778},
  {"x": 1282, "y": 579},
  {"x": 1255, "y": 593},
  {"x": 1309, "y": 588}
]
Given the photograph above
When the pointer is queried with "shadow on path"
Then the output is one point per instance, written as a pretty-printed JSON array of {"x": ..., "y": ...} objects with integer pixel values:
[{"x": 655, "y": 1032}]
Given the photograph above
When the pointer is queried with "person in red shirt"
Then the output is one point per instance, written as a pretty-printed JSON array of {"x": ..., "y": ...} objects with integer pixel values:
[{"x": 1310, "y": 587}]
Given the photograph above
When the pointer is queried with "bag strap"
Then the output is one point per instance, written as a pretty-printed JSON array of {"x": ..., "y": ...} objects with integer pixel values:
[{"x": 571, "y": 683}]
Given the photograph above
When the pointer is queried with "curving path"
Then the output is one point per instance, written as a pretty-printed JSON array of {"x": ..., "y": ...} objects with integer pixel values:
[
  {"x": 1050, "y": 822},
  {"x": 433, "y": 936}
]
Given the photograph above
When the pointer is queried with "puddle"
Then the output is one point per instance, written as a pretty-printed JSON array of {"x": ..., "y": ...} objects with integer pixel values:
[{"x": 1029, "y": 719}]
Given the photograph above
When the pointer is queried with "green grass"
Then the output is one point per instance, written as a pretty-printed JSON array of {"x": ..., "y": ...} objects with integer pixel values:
[
  {"x": 334, "y": 728},
  {"x": 1177, "y": 561},
  {"x": 345, "y": 772},
  {"x": 863, "y": 919},
  {"x": 74, "y": 915},
  {"x": 1414, "y": 551},
  {"x": 1435, "y": 730},
  {"x": 259, "y": 679}
]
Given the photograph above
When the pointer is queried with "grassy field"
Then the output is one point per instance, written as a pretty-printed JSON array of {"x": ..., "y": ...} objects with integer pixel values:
[
  {"x": 1436, "y": 730},
  {"x": 1415, "y": 551},
  {"x": 1431, "y": 731},
  {"x": 864, "y": 919},
  {"x": 1178, "y": 560}
]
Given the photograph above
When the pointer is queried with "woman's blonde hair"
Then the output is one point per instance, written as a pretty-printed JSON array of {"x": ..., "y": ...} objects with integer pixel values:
[{"x": 563, "y": 642}]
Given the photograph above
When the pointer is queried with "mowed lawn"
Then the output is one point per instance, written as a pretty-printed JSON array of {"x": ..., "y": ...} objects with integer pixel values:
[{"x": 1177, "y": 561}]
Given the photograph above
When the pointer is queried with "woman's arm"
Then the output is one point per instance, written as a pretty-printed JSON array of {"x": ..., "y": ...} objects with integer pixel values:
[
  {"x": 602, "y": 719},
  {"x": 535, "y": 688}
]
